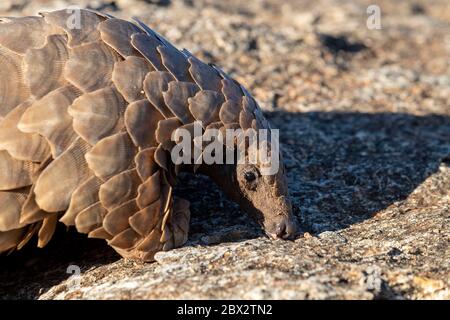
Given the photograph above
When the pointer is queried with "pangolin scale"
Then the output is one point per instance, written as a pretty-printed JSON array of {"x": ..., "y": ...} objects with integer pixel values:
[{"x": 86, "y": 117}]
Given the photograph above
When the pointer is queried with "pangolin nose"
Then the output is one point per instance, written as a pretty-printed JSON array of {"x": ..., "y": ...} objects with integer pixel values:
[{"x": 284, "y": 230}]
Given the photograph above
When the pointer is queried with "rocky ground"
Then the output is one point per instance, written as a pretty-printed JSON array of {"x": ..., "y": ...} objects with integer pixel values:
[{"x": 364, "y": 116}]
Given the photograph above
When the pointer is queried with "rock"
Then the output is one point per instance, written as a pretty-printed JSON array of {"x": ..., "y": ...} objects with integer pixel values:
[{"x": 332, "y": 236}]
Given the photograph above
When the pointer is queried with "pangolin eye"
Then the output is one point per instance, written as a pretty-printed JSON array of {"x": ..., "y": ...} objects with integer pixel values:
[{"x": 250, "y": 176}]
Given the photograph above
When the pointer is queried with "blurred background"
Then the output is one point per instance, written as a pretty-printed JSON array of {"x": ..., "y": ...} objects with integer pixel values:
[{"x": 360, "y": 91}]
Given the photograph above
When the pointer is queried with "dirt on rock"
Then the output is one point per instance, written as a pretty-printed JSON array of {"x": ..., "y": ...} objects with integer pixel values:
[{"x": 364, "y": 118}]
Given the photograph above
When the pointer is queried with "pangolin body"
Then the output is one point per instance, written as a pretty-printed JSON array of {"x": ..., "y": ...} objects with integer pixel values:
[{"x": 86, "y": 117}]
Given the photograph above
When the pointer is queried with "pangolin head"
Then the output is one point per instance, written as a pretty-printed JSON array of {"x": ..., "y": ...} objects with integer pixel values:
[
  {"x": 266, "y": 199},
  {"x": 259, "y": 187}
]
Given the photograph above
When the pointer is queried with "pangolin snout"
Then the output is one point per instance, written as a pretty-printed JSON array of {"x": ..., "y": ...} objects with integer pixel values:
[
  {"x": 284, "y": 228},
  {"x": 278, "y": 221}
]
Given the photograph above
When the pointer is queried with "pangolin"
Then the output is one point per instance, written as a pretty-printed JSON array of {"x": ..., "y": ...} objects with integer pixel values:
[{"x": 88, "y": 106}]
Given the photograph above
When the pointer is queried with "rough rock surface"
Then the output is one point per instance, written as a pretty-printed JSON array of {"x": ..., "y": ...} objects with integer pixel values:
[{"x": 364, "y": 117}]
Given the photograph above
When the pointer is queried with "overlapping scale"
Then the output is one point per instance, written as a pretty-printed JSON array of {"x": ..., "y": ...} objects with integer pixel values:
[
  {"x": 125, "y": 239},
  {"x": 141, "y": 121},
  {"x": 162, "y": 158},
  {"x": 245, "y": 119},
  {"x": 175, "y": 62},
  {"x": 164, "y": 131},
  {"x": 111, "y": 155},
  {"x": 47, "y": 230},
  {"x": 30, "y": 211},
  {"x": 98, "y": 114},
  {"x": 229, "y": 112},
  {"x": 99, "y": 233},
  {"x": 21, "y": 145},
  {"x": 231, "y": 90},
  {"x": 49, "y": 117},
  {"x": 90, "y": 66},
  {"x": 155, "y": 83},
  {"x": 61, "y": 177},
  {"x": 90, "y": 218},
  {"x": 119, "y": 189},
  {"x": 84, "y": 196},
  {"x": 128, "y": 77},
  {"x": 10, "y": 239},
  {"x": 31, "y": 31},
  {"x": 204, "y": 75},
  {"x": 13, "y": 89},
  {"x": 79, "y": 25},
  {"x": 176, "y": 98},
  {"x": 43, "y": 67},
  {"x": 145, "y": 163},
  {"x": 147, "y": 45},
  {"x": 146, "y": 219},
  {"x": 116, "y": 220},
  {"x": 15, "y": 174},
  {"x": 117, "y": 34},
  {"x": 11, "y": 203},
  {"x": 205, "y": 106},
  {"x": 149, "y": 191}
]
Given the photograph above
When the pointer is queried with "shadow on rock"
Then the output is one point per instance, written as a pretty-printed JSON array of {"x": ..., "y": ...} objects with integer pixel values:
[
  {"x": 346, "y": 167},
  {"x": 27, "y": 273}
]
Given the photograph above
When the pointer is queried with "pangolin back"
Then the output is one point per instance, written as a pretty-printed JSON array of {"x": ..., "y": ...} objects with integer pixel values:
[{"x": 86, "y": 117}]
